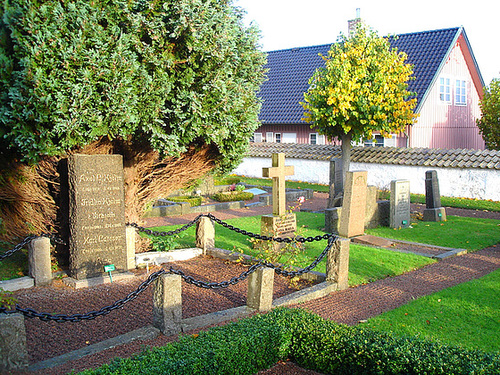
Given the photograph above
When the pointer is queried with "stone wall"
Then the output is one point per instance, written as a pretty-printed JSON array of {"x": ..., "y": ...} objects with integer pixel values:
[{"x": 453, "y": 182}]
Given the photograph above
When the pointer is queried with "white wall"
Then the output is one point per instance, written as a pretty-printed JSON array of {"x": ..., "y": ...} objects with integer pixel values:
[{"x": 453, "y": 182}]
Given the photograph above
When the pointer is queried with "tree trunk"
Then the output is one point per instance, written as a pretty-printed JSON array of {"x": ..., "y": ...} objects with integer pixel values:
[{"x": 346, "y": 155}]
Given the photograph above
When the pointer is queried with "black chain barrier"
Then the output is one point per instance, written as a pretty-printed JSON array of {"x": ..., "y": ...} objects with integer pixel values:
[
  {"x": 30, "y": 313},
  {"x": 27, "y": 240}
]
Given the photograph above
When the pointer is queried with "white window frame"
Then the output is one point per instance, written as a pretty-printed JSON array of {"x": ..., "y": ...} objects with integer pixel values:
[
  {"x": 277, "y": 137},
  {"x": 445, "y": 90},
  {"x": 269, "y": 137},
  {"x": 257, "y": 137},
  {"x": 377, "y": 143},
  {"x": 319, "y": 139},
  {"x": 460, "y": 92}
]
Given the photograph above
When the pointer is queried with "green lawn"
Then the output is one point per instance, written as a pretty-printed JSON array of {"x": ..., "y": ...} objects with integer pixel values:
[
  {"x": 457, "y": 232},
  {"x": 467, "y": 314},
  {"x": 15, "y": 265},
  {"x": 366, "y": 264}
]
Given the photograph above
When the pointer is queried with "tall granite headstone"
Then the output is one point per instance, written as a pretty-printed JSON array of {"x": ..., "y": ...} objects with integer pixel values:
[
  {"x": 400, "y": 204},
  {"x": 433, "y": 210},
  {"x": 97, "y": 215},
  {"x": 352, "y": 217}
]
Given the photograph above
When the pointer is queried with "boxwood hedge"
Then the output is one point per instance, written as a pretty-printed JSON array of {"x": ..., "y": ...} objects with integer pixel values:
[{"x": 256, "y": 343}]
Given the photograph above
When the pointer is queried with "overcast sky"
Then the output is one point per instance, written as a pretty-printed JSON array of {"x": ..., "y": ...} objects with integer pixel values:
[{"x": 289, "y": 23}]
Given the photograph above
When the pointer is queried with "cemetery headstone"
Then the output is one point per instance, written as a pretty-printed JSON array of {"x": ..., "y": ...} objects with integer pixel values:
[
  {"x": 352, "y": 217},
  {"x": 433, "y": 210},
  {"x": 336, "y": 183},
  {"x": 400, "y": 204},
  {"x": 280, "y": 223},
  {"x": 96, "y": 215}
]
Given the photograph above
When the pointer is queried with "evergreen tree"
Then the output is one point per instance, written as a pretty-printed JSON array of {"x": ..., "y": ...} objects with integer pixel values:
[{"x": 167, "y": 84}]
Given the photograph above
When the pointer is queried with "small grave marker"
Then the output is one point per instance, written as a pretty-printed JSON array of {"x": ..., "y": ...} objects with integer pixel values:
[{"x": 109, "y": 268}]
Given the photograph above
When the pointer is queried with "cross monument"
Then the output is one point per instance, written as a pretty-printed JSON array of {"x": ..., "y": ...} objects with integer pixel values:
[{"x": 278, "y": 172}]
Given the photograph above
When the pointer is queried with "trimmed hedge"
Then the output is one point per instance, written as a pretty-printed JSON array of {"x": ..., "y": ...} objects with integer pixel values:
[
  {"x": 253, "y": 344},
  {"x": 193, "y": 201},
  {"x": 236, "y": 196}
]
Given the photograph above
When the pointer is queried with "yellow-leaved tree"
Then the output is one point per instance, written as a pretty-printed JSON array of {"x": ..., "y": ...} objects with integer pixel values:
[{"x": 361, "y": 89}]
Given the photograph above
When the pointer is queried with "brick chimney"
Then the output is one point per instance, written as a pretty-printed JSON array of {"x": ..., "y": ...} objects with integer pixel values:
[{"x": 353, "y": 23}]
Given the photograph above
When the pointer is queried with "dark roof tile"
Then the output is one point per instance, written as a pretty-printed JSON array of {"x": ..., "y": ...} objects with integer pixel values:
[{"x": 289, "y": 71}]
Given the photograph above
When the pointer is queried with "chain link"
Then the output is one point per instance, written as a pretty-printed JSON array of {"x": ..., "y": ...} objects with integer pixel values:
[
  {"x": 30, "y": 313},
  {"x": 326, "y": 236},
  {"x": 27, "y": 240},
  {"x": 280, "y": 271},
  {"x": 223, "y": 284}
]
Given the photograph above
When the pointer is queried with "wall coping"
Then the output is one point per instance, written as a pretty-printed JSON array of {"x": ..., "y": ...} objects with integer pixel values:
[{"x": 427, "y": 157}]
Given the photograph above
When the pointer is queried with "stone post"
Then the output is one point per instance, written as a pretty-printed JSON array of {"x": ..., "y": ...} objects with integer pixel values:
[
  {"x": 130, "y": 235},
  {"x": 205, "y": 234},
  {"x": 260, "y": 289},
  {"x": 39, "y": 261},
  {"x": 13, "y": 352},
  {"x": 337, "y": 263},
  {"x": 167, "y": 304}
]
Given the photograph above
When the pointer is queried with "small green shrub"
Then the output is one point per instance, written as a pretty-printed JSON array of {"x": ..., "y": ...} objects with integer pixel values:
[
  {"x": 233, "y": 196},
  {"x": 193, "y": 201},
  {"x": 166, "y": 243}
]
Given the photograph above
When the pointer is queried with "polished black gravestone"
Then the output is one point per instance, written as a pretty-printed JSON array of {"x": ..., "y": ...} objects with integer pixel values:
[
  {"x": 433, "y": 210},
  {"x": 96, "y": 215}
]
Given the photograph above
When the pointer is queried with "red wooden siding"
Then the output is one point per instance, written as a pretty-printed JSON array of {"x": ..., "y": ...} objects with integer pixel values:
[{"x": 449, "y": 125}]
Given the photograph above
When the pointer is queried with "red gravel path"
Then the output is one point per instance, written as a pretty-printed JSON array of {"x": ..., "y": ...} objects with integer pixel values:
[{"x": 46, "y": 340}]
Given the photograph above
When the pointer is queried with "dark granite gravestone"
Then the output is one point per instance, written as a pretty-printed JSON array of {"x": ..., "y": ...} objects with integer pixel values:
[
  {"x": 400, "y": 204},
  {"x": 97, "y": 214},
  {"x": 336, "y": 183},
  {"x": 433, "y": 210}
]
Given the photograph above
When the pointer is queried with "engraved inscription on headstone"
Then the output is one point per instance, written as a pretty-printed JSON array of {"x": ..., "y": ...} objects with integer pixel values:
[
  {"x": 352, "y": 217},
  {"x": 97, "y": 214},
  {"x": 400, "y": 204}
]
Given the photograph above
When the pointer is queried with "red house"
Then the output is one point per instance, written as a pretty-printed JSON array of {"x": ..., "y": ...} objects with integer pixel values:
[{"x": 447, "y": 81}]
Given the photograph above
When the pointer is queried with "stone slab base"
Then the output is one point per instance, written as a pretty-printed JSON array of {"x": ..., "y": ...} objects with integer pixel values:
[
  {"x": 16, "y": 284},
  {"x": 435, "y": 214},
  {"x": 307, "y": 294},
  {"x": 94, "y": 281},
  {"x": 159, "y": 257},
  {"x": 372, "y": 240}
]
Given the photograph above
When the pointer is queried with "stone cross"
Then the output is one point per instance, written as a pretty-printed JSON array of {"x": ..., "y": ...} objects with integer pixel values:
[{"x": 278, "y": 172}]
